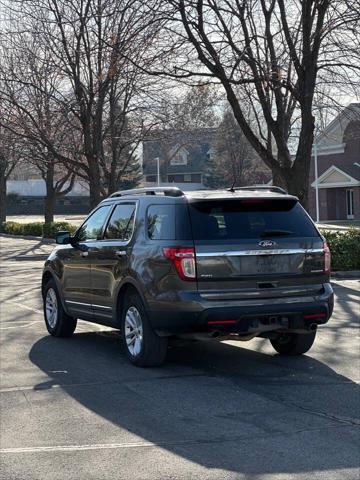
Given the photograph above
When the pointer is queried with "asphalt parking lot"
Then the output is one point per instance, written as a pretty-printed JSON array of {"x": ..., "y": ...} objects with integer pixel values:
[{"x": 76, "y": 409}]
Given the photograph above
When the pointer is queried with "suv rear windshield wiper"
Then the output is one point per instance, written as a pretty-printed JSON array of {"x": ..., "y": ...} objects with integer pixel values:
[{"x": 275, "y": 233}]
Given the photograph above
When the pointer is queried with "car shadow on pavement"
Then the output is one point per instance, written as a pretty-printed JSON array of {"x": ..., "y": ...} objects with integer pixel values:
[{"x": 219, "y": 405}]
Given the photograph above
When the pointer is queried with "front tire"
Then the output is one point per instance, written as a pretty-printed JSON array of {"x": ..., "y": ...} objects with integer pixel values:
[
  {"x": 58, "y": 323},
  {"x": 143, "y": 347},
  {"x": 293, "y": 343}
]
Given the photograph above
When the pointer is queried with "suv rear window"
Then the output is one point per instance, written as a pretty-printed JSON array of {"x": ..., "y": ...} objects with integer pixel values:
[{"x": 249, "y": 218}]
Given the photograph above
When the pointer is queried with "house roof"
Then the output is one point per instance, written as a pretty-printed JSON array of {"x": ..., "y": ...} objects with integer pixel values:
[
  {"x": 332, "y": 134},
  {"x": 174, "y": 134},
  {"x": 339, "y": 176},
  {"x": 352, "y": 170},
  {"x": 162, "y": 144}
]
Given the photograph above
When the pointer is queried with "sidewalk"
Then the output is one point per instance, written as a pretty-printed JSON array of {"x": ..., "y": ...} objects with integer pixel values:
[{"x": 337, "y": 227}]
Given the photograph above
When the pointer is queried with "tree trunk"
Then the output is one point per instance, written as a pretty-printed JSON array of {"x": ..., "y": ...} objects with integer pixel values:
[
  {"x": 94, "y": 182},
  {"x": 50, "y": 194},
  {"x": 300, "y": 172},
  {"x": 2, "y": 197},
  {"x": 111, "y": 184},
  {"x": 280, "y": 179},
  {"x": 49, "y": 205},
  {"x": 294, "y": 180},
  {"x": 298, "y": 183}
]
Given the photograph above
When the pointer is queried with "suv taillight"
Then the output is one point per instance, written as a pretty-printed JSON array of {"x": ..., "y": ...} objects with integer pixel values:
[
  {"x": 184, "y": 261},
  {"x": 327, "y": 258}
]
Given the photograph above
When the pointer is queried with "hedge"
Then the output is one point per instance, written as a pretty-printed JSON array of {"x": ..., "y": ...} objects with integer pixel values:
[
  {"x": 344, "y": 248},
  {"x": 36, "y": 229}
]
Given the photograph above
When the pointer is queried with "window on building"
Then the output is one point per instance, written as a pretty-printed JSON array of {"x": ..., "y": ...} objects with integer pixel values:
[
  {"x": 177, "y": 178},
  {"x": 179, "y": 156},
  {"x": 151, "y": 178},
  {"x": 210, "y": 153},
  {"x": 350, "y": 203},
  {"x": 196, "y": 177}
]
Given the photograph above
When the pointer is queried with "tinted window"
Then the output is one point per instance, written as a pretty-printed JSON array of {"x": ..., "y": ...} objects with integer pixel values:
[
  {"x": 121, "y": 222},
  {"x": 249, "y": 218},
  {"x": 168, "y": 222},
  {"x": 160, "y": 222},
  {"x": 91, "y": 229}
]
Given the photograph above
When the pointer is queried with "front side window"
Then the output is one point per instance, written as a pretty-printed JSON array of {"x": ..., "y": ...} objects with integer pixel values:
[
  {"x": 121, "y": 222},
  {"x": 91, "y": 229}
]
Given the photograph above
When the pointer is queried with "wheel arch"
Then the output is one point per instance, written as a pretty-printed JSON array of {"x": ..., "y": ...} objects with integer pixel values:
[
  {"x": 46, "y": 277},
  {"x": 125, "y": 288}
]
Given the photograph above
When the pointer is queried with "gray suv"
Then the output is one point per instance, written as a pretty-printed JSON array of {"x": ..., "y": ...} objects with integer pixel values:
[{"x": 227, "y": 264}]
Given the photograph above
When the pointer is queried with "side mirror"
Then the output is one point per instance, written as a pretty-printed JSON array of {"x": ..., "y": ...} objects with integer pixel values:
[{"x": 63, "y": 238}]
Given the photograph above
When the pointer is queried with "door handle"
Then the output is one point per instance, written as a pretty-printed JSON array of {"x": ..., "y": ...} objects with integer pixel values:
[
  {"x": 120, "y": 253},
  {"x": 84, "y": 254}
]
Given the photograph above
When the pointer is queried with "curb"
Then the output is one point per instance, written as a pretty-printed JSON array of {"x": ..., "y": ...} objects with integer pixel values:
[
  {"x": 350, "y": 274},
  {"x": 28, "y": 237}
]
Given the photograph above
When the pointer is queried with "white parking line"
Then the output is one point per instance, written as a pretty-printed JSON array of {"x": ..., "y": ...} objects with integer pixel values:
[
  {"x": 26, "y": 324},
  {"x": 54, "y": 385},
  {"x": 112, "y": 446},
  {"x": 36, "y": 310},
  {"x": 71, "y": 448}
]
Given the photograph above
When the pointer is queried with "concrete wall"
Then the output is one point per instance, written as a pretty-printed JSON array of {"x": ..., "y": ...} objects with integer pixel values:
[
  {"x": 35, "y": 206},
  {"x": 37, "y": 188}
]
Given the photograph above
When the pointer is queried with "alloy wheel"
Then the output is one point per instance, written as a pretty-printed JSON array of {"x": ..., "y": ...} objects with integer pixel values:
[
  {"x": 133, "y": 331},
  {"x": 51, "y": 308}
]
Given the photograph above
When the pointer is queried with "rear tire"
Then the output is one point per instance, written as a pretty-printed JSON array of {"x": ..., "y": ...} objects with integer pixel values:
[
  {"x": 293, "y": 343},
  {"x": 143, "y": 347},
  {"x": 58, "y": 323}
]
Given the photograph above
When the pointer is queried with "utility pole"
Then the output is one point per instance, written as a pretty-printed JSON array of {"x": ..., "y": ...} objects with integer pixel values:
[
  {"x": 316, "y": 181},
  {"x": 158, "y": 171}
]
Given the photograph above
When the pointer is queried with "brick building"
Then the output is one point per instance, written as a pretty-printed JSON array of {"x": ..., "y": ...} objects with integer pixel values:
[{"x": 338, "y": 159}]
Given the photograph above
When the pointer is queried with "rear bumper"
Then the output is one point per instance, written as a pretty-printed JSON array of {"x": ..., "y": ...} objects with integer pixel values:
[{"x": 191, "y": 313}]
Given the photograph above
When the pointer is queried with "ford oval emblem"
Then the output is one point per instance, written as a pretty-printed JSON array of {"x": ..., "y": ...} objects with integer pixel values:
[{"x": 267, "y": 243}]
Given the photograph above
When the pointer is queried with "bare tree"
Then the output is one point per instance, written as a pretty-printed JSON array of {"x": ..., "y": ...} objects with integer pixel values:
[
  {"x": 270, "y": 55},
  {"x": 9, "y": 159},
  {"x": 34, "y": 116},
  {"x": 183, "y": 120},
  {"x": 91, "y": 43},
  {"x": 124, "y": 129},
  {"x": 233, "y": 161},
  {"x": 91, "y": 47}
]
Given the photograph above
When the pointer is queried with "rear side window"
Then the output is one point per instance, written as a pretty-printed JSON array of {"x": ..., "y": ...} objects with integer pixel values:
[
  {"x": 121, "y": 222},
  {"x": 168, "y": 222},
  {"x": 249, "y": 218},
  {"x": 160, "y": 222}
]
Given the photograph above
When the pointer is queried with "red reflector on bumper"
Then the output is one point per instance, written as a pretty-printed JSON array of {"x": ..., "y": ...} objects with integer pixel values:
[
  {"x": 315, "y": 315},
  {"x": 221, "y": 322}
]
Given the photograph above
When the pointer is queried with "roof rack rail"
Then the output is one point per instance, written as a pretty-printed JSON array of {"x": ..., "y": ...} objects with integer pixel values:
[
  {"x": 167, "y": 191},
  {"x": 269, "y": 188}
]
